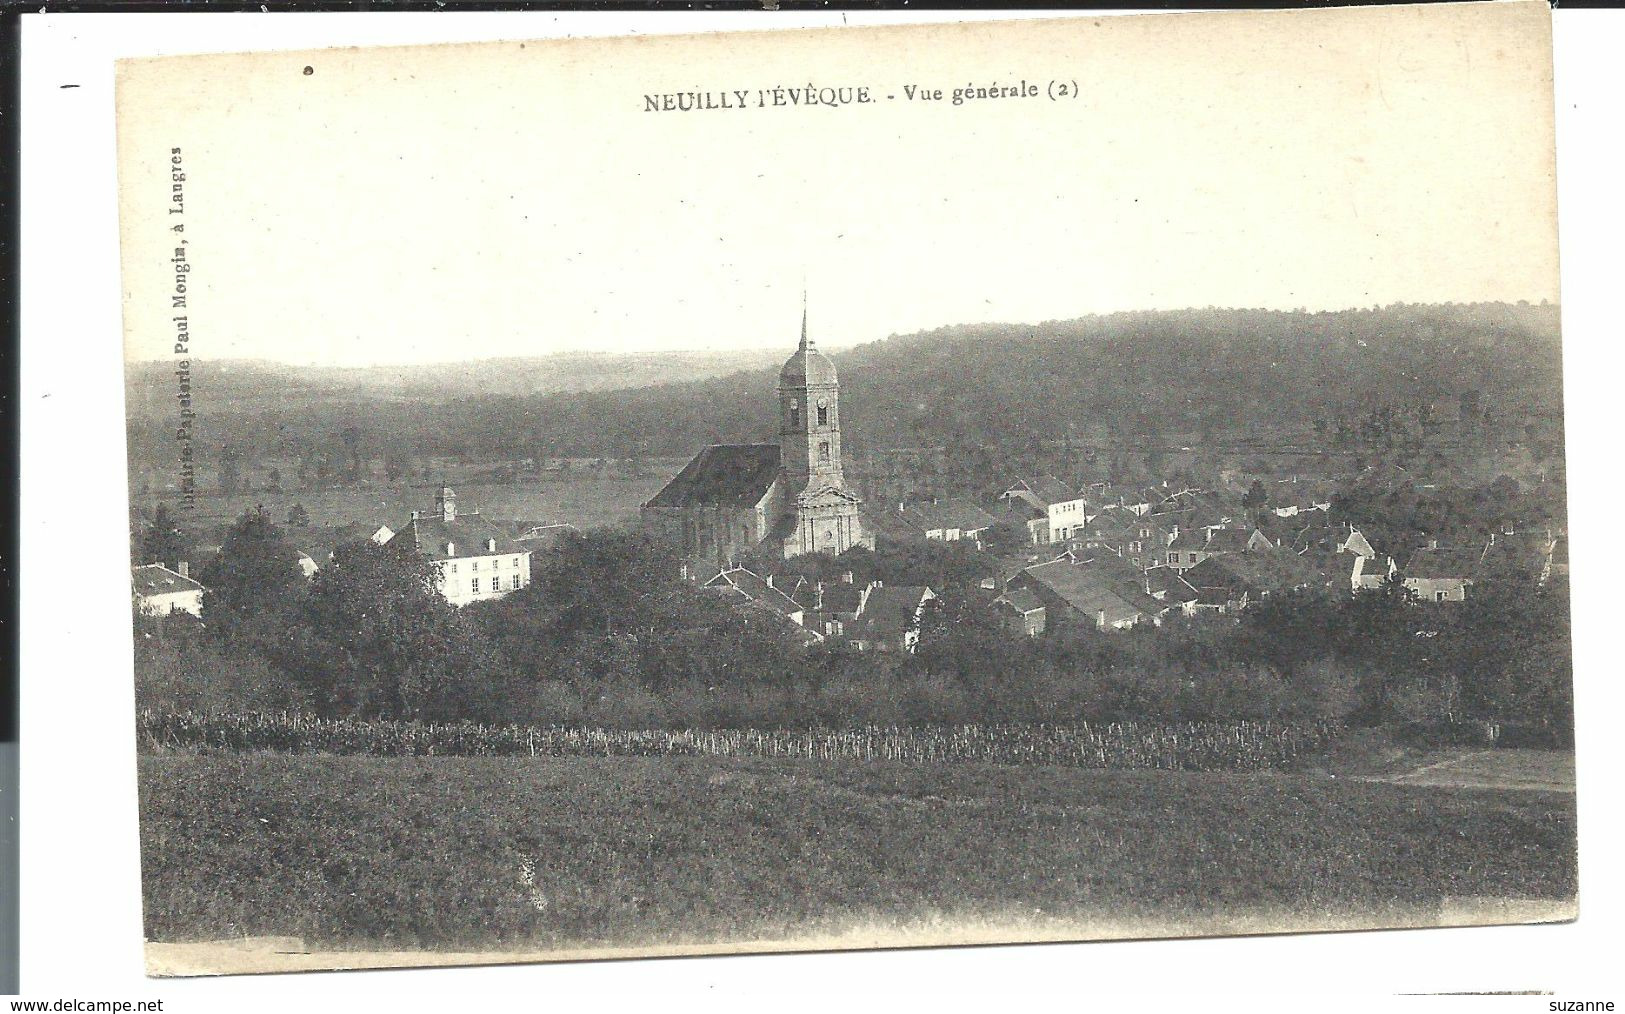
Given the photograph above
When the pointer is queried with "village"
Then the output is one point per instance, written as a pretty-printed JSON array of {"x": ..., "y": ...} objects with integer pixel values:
[{"x": 1043, "y": 552}]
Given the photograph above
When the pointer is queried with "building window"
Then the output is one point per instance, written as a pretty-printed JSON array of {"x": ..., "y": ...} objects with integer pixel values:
[
  {"x": 476, "y": 586},
  {"x": 823, "y": 450},
  {"x": 516, "y": 563},
  {"x": 823, "y": 416},
  {"x": 475, "y": 565},
  {"x": 795, "y": 415},
  {"x": 1438, "y": 596},
  {"x": 1173, "y": 558},
  {"x": 516, "y": 582},
  {"x": 454, "y": 568}
]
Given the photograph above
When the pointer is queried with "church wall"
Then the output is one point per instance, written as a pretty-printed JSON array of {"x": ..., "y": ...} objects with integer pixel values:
[{"x": 713, "y": 536}]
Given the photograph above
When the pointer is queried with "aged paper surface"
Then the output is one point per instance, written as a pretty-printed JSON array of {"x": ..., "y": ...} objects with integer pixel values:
[{"x": 547, "y": 273}]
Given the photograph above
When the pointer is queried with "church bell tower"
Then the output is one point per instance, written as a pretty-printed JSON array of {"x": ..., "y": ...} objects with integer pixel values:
[{"x": 810, "y": 418}]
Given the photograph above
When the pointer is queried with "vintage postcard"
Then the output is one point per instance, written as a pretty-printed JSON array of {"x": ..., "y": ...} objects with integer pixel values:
[{"x": 1062, "y": 479}]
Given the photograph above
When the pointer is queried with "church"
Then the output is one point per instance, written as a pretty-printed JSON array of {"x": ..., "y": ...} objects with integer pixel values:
[{"x": 783, "y": 499}]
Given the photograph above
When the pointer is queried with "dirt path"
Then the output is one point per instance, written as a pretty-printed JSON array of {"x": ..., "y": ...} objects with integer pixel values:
[{"x": 1532, "y": 770}]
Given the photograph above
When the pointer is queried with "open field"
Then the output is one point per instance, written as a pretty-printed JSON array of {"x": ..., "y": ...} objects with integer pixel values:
[
  {"x": 586, "y": 501},
  {"x": 555, "y": 854}
]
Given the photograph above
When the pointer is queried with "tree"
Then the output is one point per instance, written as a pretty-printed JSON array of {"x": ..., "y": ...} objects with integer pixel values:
[
  {"x": 1504, "y": 489},
  {"x": 1008, "y": 537},
  {"x": 603, "y": 583},
  {"x": 375, "y": 638},
  {"x": 1256, "y": 496},
  {"x": 298, "y": 517},
  {"x": 274, "y": 481},
  {"x": 162, "y": 540},
  {"x": 230, "y": 473},
  {"x": 253, "y": 581}
]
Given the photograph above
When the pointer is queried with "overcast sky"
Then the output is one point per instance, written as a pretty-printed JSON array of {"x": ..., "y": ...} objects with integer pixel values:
[{"x": 441, "y": 203}]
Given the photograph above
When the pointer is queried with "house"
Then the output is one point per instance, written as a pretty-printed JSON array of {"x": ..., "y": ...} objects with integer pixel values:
[
  {"x": 1145, "y": 542},
  {"x": 1021, "y": 611},
  {"x": 160, "y": 591},
  {"x": 1332, "y": 538},
  {"x": 1166, "y": 585},
  {"x": 543, "y": 536},
  {"x": 1102, "y": 532},
  {"x": 1087, "y": 591},
  {"x": 473, "y": 559},
  {"x": 947, "y": 520},
  {"x": 951, "y": 519},
  {"x": 339, "y": 535},
  {"x": 889, "y": 619},
  {"x": 538, "y": 540},
  {"x": 1195, "y": 508},
  {"x": 1137, "y": 539},
  {"x": 1060, "y": 508},
  {"x": 1191, "y": 546},
  {"x": 1560, "y": 559},
  {"x": 1237, "y": 540},
  {"x": 747, "y": 588},
  {"x": 1441, "y": 574},
  {"x": 832, "y": 606},
  {"x": 1371, "y": 572},
  {"x": 1519, "y": 557},
  {"x": 1034, "y": 519},
  {"x": 785, "y": 499},
  {"x": 333, "y": 536},
  {"x": 1228, "y": 582}
]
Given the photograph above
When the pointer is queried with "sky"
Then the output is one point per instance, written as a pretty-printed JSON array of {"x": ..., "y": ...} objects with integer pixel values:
[{"x": 433, "y": 204}]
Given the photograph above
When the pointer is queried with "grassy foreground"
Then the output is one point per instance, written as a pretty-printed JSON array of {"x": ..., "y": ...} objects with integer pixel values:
[{"x": 475, "y": 852}]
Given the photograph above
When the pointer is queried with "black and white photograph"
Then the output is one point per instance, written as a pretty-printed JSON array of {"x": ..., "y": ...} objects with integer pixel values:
[{"x": 1061, "y": 479}]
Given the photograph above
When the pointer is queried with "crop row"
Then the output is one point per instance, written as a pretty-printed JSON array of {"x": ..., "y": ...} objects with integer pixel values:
[{"x": 1195, "y": 746}]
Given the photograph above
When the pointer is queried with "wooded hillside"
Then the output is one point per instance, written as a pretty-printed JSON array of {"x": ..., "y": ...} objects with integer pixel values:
[{"x": 1207, "y": 373}]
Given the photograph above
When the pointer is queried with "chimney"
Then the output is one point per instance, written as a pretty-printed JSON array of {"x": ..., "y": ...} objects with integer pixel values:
[
  {"x": 1100, "y": 618},
  {"x": 183, "y": 568},
  {"x": 846, "y": 577},
  {"x": 445, "y": 504},
  {"x": 1433, "y": 543},
  {"x": 770, "y": 580},
  {"x": 490, "y": 545}
]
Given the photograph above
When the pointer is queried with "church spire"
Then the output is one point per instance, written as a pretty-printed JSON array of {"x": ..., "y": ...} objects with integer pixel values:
[{"x": 806, "y": 343}]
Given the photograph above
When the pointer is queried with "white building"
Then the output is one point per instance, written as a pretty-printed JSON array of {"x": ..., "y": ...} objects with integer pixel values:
[
  {"x": 474, "y": 558},
  {"x": 1055, "y": 510},
  {"x": 160, "y": 591}
]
